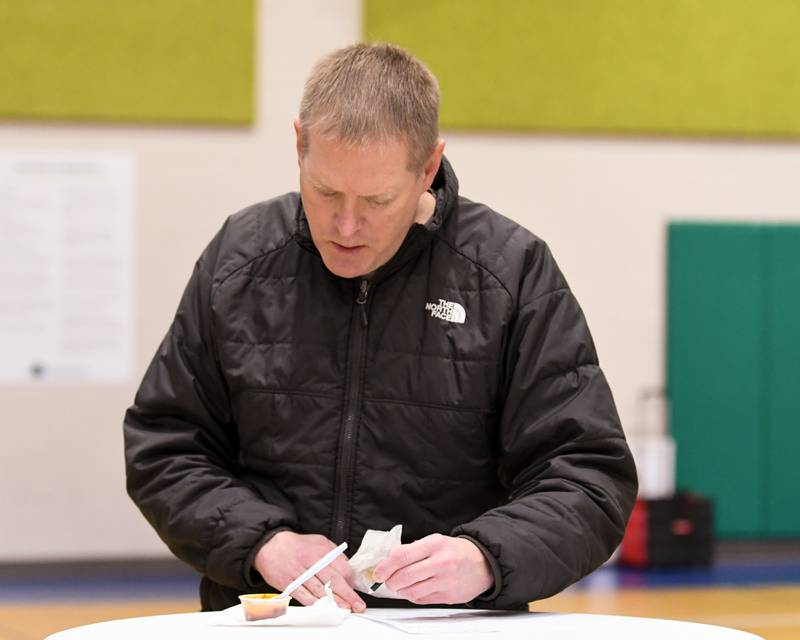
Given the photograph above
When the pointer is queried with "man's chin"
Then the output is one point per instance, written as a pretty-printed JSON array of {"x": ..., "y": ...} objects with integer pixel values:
[{"x": 345, "y": 269}]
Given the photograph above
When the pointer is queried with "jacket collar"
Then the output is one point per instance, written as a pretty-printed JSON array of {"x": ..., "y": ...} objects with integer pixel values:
[{"x": 445, "y": 189}]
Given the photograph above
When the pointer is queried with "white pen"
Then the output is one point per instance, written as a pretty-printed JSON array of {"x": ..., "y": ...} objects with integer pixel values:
[{"x": 318, "y": 566}]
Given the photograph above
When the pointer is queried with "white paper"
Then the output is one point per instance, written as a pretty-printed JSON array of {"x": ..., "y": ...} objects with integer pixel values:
[
  {"x": 323, "y": 613},
  {"x": 66, "y": 267},
  {"x": 444, "y": 621},
  {"x": 375, "y": 546}
]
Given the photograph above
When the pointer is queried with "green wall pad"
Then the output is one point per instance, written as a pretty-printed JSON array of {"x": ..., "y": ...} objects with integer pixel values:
[
  {"x": 686, "y": 67},
  {"x": 188, "y": 61},
  {"x": 783, "y": 381},
  {"x": 733, "y": 371}
]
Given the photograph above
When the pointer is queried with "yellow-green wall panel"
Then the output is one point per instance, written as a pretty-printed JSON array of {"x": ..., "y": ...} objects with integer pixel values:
[
  {"x": 696, "y": 67},
  {"x": 129, "y": 60}
]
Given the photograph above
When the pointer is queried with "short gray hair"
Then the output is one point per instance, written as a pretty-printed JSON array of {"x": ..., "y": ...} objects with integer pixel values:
[{"x": 371, "y": 93}]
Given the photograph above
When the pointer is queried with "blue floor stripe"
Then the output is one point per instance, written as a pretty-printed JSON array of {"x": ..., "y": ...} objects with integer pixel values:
[
  {"x": 715, "y": 576},
  {"x": 100, "y": 588},
  {"x": 121, "y": 587}
]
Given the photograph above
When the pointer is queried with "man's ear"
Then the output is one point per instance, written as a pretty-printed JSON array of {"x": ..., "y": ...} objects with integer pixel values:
[
  {"x": 432, "y": 164},
  {"x": 298, "y": 139}
]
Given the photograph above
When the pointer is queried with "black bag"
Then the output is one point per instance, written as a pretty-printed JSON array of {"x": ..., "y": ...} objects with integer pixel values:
[{"x": 673, "y": 532}]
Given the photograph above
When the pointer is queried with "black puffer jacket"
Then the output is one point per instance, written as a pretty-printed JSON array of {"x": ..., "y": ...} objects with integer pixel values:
[{"x": 457, "y": 391}]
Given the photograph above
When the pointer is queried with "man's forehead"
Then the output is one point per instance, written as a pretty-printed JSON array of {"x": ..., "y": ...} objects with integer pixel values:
[
  {"x": 377, "y": 167},
  {"x": 389, "y": 147},
  {"x": 363, "y": 190}
]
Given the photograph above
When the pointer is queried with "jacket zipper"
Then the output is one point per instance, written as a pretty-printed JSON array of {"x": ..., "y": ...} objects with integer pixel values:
[{"x": 344, "y": 479}]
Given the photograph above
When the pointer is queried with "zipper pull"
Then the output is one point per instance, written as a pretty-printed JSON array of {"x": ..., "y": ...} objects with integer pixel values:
[{"x": 362, "y": 300}]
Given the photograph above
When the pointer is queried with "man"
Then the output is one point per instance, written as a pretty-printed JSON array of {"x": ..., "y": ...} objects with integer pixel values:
[{"x": 372, "y": 351}]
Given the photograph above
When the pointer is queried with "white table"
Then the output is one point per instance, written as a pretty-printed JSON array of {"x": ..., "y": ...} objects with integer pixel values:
[{"x": 409, "y": 623}]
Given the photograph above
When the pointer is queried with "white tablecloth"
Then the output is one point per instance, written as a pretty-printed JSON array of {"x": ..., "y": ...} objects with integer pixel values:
[{"x": 410, "y": 623}]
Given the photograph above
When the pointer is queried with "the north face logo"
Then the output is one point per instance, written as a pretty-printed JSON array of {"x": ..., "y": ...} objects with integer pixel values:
[{"x": 445, "y": 310}]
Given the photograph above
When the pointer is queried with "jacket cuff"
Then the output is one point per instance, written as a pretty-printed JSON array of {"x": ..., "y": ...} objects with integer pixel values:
[
  {"x": 252, "y": 577},
  {"x": 492, "y": 592}
]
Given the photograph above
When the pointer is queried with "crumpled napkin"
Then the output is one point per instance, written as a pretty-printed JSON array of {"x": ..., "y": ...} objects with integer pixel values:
[
  {"x": 323, "y": 613},
  {"x": 375, "y": 546}
]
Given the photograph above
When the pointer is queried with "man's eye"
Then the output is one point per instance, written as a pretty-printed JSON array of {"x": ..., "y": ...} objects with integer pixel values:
[
  {"x": 378, "y": 203},
  {"x": 328, "y": 194}
]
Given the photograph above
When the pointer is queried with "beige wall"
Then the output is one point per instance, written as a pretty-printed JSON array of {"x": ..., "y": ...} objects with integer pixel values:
[
  {"x": 601, "y": 204},
  {"x": 62, "y": 489}
]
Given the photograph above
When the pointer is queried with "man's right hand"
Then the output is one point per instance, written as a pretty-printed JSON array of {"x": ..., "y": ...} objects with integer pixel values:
[{"x": 287, "y": 554}]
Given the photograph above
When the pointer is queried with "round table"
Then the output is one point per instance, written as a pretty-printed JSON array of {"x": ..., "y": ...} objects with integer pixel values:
[{"x": 408, "y": 623}]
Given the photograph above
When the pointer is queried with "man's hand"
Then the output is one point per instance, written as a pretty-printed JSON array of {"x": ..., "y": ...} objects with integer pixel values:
[
  {"x": 436, "y": 570},
  {"x": 288, "y": 554}
]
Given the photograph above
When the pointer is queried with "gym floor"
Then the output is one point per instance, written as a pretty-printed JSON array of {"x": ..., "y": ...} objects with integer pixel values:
[{"x": 752, "y": 586}]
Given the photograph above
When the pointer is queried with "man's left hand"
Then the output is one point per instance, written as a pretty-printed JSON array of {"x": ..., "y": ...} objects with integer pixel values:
[{"x": 436, "y": 569}]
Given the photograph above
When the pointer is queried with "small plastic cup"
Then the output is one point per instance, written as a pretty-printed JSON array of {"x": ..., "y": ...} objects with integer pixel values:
[{"x": 260, "y": 606}]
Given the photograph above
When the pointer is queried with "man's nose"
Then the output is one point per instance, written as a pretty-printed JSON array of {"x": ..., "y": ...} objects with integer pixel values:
[{"x": 347, "y": 220}]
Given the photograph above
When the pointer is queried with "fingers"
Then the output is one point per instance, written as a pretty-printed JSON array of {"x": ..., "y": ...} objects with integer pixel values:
[
  {"x": 405, "y": 555},
  {"x": 287, "y": 554},
  {"x": 425, "y": 592},
  {"x": 436, "y": 570},
  {"x": 342, "y": 567},
  {"x": 313, "y": 589},
  {"x": 411, "y": 574},
  {"x": 342, "y": 588},
  {"x": 436, "y": 597},
  {"x": 303, "y": 596},
  {"x": 315, "y": 586}
]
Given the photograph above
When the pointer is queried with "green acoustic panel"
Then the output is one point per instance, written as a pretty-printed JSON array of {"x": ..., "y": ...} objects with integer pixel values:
[
  {"x": 690, "y": 67},
  {"x": 714, "y": 368},
  {"x": 783, "y": 381},
  {"x": 187, "y": 61}
]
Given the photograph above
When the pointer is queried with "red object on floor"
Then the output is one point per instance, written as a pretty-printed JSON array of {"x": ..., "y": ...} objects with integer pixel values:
[{"x": 634, "y": 545}]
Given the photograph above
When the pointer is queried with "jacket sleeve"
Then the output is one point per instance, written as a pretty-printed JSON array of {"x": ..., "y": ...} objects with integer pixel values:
[
  {"x": 181, "y": 450},
  {"x": 562, "y": 453}
]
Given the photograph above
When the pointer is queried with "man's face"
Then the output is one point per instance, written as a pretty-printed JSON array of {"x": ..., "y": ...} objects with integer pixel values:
[{"x": 360, "y": 201}]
